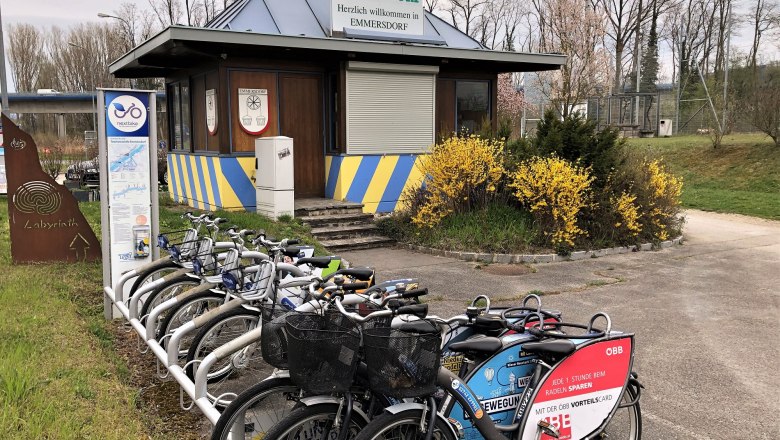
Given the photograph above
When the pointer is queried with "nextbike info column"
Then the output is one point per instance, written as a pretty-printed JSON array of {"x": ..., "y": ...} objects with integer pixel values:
[{"x": 128, "y": 182}]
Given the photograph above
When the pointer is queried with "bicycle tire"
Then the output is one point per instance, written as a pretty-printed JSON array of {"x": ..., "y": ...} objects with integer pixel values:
[
  {"x": 626, "y": 423},
  {"x": 407, "y": 423},
  {"x": 147, "y": 276},
  {"x": 315, "y": 421},
  {"x": 193, "y": 306},
  {"x": 163, "y": 292},
  {"x": 262, "y": 396},
  {"x": 198, "y": 342},
  {"x": 235, "y": 373}
]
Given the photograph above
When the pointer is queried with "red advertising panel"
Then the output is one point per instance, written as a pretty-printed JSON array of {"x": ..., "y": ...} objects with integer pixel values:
[{"x": 582, "y": 391}]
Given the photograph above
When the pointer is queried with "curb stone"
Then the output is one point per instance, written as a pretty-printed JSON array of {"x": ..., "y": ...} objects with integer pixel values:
[{"x": 542, "y": 258}]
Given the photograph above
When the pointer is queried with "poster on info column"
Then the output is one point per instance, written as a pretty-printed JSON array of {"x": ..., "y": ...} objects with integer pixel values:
[{"x": 129, "y": 182}]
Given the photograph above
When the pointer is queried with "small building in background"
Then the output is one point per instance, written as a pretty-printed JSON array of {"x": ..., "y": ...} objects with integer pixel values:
[{"x": 364, "y": 87}]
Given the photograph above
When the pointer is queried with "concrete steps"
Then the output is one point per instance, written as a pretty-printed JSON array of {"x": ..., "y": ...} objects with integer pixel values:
[{"x": 340, "y": 226}]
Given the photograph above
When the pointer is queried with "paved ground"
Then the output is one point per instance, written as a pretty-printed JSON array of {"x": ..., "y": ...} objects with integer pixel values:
[{"x": 706, "y": 317}]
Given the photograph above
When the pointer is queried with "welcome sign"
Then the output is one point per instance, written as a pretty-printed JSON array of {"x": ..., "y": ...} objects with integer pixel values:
[{"x": 390, "y": 16}]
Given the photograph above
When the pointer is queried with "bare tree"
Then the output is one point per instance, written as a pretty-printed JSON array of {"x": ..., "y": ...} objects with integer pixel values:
[
  {"x": 168, "y": 12},
  {"x": 764, "y": 15},
  {"x": 25, "y": 56},
  {"x": 762, "y": 105},
  {"x": 566, "y": 27},
  {"x": 431, "y": 5},
  {"x": 623, "y": 19},
  {"x": 465, "y": 13}
]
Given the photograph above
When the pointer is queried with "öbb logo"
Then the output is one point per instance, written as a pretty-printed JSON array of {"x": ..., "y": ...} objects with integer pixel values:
[{"x": 614, "y": 351}]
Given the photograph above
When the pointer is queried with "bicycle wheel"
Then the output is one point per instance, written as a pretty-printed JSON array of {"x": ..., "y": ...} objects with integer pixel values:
[
  {"x": 154, "y": 274},
  {"x": 184, "y": 312},
  {"x": 402, "y": 426},
  {"x": 237, "y": 372},
  {"x": 257, "y": 409},
  {"x": 315, "y": 422},
  {"x": 627, "y": 422},
  {"x": 162, "y": 293}
]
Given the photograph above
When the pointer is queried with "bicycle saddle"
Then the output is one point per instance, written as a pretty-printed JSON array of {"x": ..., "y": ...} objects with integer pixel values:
[
  {"x": 478, "y": 345},
  {"x": 321, "y": 262},
  {"x": 550, "y": 347}
]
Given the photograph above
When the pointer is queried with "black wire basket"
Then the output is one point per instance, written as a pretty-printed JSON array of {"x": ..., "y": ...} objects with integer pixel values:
[
  {"x": 273, "y": 339},
  {"x": 402, "y": 363},
  {"x": 322, "y": 351}
]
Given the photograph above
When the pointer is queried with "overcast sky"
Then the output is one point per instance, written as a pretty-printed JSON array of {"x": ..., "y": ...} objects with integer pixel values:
[{"x": 65, "y": 13}]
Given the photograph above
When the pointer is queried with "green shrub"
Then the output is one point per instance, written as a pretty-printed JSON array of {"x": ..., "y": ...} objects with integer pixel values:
[{"x": 577, "y": 140}]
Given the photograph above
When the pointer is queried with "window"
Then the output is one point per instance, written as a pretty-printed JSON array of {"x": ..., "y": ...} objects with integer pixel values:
[
  {"x": 473, "y": 104},
  {"x": 179, "y": 105},
  {"x": 390, "y": 108}
]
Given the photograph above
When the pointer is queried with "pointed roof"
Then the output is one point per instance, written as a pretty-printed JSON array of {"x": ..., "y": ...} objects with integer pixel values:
[
  {"x": 299, "y": 30},
  {"x": 312, "y": 18}
]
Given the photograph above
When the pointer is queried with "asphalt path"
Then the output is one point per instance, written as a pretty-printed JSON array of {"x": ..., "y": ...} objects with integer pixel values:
[{"x": 706, "y": 316}]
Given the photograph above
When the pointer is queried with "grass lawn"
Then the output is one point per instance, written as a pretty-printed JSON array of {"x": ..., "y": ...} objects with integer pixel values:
[
  {"x": 742, "y": 176},
  {"x": 61, "y": 373}
]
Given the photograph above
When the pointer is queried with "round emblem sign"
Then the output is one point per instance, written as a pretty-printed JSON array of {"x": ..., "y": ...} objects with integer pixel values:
[{"x": 126, "y": 113}]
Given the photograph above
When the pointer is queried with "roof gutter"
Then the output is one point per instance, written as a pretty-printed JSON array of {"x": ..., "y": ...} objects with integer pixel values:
[{"x": 218, "y": 36}]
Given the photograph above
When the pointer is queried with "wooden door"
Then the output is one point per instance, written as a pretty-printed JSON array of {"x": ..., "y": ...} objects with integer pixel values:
[{"x": 301, "y": 119}]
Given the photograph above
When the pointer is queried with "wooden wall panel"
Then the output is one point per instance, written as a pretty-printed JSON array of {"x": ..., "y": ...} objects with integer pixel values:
[
  {"x": 198, "y": 103},
  {"x": 243, "y": 141},
  {"x": 301, "y": 119},
  {"x": 445, "y": 107}
]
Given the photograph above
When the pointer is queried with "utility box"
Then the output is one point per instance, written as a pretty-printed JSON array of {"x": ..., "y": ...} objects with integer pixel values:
[
  {"x": 664, "y": 127},
  {"x": 274, "y": 176}
]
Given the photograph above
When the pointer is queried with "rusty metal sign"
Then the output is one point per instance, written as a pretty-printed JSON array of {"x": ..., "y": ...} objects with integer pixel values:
[{"x": 46, "y": 223}]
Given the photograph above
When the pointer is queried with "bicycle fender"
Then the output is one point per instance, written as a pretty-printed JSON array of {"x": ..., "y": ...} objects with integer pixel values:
[
  {"x": 317, "y": 400},
  {"x": 401, "y": 407}
]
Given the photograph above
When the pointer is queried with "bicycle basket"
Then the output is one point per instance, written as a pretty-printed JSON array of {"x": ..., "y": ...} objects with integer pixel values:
[
  {"x": 180, "y": 244},
  {"x": 322, "y": 351},
  {"x": 401, "y": 363},
  {"x": 273, "y": 340}
]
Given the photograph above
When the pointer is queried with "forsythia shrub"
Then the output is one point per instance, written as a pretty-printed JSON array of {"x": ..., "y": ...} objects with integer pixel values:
[
  {"x": 555, "y": 191},
  {"x": 461, "y": 174},
  {"x": 664, "y": 204},
  {"x": 628, "y": 214}
]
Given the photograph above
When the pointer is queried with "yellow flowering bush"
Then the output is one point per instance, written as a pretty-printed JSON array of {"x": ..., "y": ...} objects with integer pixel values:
[
  {"x": 664, "y": 190},
  {"x": 555, "y": 191},
  {"x": 460, "y": 175},
  {"x": 628, "y": 214}
]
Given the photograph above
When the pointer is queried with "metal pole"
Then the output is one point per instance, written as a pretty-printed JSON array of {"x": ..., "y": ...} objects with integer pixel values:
[
  {"x": 714, "y": 113},
  {"x": 638, "y": 73},
  {"x": 3, "y": 86},
  {"x": 726, "y": 66}
]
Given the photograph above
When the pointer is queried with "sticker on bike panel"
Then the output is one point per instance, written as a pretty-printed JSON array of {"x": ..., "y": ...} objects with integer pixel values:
[
  {"x": 468, "y": 397},
  {"x": 498, "y": 384},
  {"x": 581, "y": 392}
]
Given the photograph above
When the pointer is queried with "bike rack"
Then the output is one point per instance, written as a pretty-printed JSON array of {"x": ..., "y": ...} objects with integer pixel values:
[{"x": 196, "y": 390}]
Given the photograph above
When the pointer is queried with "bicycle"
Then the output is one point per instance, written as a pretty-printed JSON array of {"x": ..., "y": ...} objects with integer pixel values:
[
  {"x": 572, "y": 385},
  {"x": 249, "y": 411}
]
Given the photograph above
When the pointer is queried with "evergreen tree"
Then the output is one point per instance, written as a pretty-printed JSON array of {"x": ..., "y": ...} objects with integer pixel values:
[{"x": 649, "y": 73}]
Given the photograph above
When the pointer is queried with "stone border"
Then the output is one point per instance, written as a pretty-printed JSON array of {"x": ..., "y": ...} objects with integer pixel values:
[{"x": 541, "y": 258}]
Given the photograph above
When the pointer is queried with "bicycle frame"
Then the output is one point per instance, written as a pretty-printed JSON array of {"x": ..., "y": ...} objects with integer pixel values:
[{"x": 578, "y": 395}]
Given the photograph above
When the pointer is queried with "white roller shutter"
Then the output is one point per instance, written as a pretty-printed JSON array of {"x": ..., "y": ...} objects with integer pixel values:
[{"x": 390, "y": 111}]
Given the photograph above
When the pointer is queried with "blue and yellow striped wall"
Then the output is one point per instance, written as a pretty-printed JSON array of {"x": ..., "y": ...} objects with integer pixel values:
[
  {"x": 223, "y": 182},
  {"x": 377, "y": 181},
  {"x": 212, "y": 182}
]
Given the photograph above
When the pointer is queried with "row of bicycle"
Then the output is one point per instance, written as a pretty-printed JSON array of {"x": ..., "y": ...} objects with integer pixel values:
[{"x": 270, "y": 342}]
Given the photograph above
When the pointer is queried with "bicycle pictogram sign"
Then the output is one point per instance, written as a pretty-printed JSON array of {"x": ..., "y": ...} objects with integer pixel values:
[{"x": 120, "y": 111}]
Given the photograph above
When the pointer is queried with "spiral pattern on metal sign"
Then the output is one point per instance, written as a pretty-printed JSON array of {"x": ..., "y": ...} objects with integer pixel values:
[{"x": 37, "y": 197}]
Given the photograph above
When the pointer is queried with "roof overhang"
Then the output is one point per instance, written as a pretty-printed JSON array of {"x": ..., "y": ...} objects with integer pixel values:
[{"x": 180, "y": 47}]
